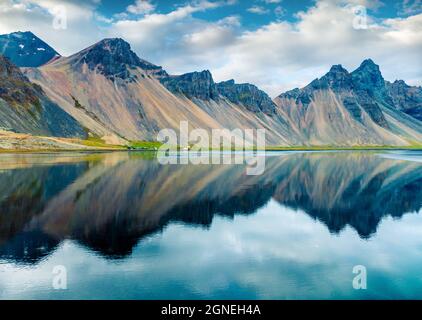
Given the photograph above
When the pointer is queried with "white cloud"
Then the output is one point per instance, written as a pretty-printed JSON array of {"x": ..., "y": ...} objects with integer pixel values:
[
  {"x": 141, "y": 7},
  {"x": 168, "y": 38},
  {"x": 258, "y": 10}
]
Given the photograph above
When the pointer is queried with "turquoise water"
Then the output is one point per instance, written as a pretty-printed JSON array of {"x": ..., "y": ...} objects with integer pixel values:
[{"x": 126, "y": 227}]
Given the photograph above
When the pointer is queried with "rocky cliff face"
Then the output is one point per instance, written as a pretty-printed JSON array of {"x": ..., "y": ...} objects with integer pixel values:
[
  {"x": 248, "y": 95},
  {"x": 201, "y": 85},
  {"x": 406, "y": 98},
  {"x": 25, "y": 108},
  {"x": 198, "y": 85},
  {"x": 370, "y": 91},
  {"x": 25, "y": 49}
]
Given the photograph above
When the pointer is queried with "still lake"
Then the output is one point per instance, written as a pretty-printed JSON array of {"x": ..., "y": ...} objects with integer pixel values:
[{"x": 125, "y": 226}]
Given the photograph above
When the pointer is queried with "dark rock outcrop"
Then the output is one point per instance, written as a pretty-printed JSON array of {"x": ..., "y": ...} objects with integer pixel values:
[
  {"x": 406, "y": 98},
  {"x": 114, "y": 58},
  {"x": 369, "y": 87},
  {"x": 198, "y": 85},
  {"x": 25, "y": 49},
  {"x": 248, "y": 95},
  {"x": 337, "y": 79}
]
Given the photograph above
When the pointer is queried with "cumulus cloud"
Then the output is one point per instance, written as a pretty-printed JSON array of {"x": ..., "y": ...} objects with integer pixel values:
[
  {"x": 176, "y": 38},
  {"x": 258, "y": 10},
  {"x": 141, "y": 7}
]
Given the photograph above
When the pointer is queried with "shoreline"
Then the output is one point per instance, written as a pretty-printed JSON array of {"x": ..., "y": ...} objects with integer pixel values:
[{"x": 270, "y": 149}]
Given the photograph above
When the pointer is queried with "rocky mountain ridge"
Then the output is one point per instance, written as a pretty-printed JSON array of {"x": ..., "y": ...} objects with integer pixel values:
[
  {"x": 120, "y": 97},
  {"x": 358, "y": 106}
]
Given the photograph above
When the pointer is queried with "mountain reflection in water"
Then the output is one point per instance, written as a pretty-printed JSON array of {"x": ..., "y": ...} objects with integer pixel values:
[{"x": 108, "y": 202}]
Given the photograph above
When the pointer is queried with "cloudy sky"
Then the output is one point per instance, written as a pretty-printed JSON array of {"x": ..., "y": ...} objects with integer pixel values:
[{"x": 275, "y": 44}]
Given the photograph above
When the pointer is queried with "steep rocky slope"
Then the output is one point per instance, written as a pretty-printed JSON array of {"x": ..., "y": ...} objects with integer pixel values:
[
  {"x": 343, "y": 108},
  {"x": 25, "y": 108}
]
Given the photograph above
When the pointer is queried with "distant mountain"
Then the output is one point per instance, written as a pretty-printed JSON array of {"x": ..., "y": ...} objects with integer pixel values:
[
  {"x": 25, "y": 108},
  {"x": 25, "y": 49},
  {"x": 356, "y": 108}
]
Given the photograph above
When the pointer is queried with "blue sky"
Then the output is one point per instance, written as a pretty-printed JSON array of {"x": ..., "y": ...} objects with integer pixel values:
[
  {"x": 388, "y": 9},
  {"x": 275, "y": 44}
]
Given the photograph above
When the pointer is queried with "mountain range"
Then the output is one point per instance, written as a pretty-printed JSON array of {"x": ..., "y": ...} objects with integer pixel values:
[{"x": 107, "y": 91}]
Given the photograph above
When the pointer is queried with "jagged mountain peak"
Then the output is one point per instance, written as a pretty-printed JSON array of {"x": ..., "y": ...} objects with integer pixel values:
[
  {"x": 338, "y": 68},
  {"x": 337, "y": 78},
  {"x": 369, "y": 63},
  {"x": 398, "y": 83},
  {"x": 21, "y": 34},
  {"x": 25, "y": 49},
  {"x": 368, "y": 76},
  {"x": 112, "y": 43},
  {"x": 114, "y": 58},
  {"x": 370, "y": 67}
]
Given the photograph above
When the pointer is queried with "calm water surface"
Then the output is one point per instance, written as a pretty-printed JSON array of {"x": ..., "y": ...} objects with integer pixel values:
[{"x": 125, "y": 226}]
